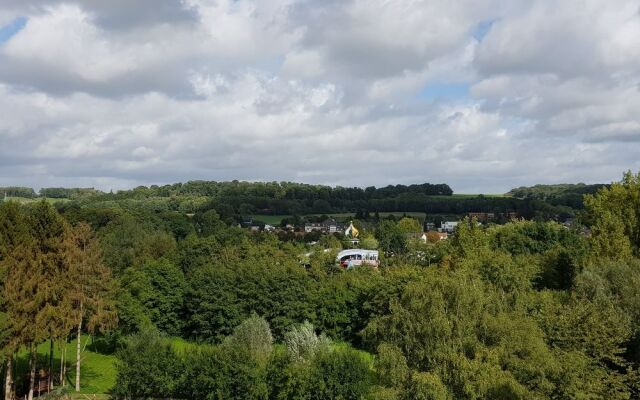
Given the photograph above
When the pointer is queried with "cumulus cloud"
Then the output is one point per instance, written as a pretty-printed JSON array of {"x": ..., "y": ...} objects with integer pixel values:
[{"x": 116, "y": 94}]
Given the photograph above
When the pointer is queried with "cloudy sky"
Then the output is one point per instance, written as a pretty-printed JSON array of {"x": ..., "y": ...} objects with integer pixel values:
[{"x": 482, "y": 94}]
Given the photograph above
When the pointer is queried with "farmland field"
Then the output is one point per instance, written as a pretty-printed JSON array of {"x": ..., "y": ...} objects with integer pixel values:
[
  {"x": 24, "y": 200},
  {"x": 276, "y": 219}
]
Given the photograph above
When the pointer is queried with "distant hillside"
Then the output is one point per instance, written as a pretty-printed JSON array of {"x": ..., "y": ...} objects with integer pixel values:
[
  {"x": 235, "y": 199},
  {"x": 565, "y": 194}
]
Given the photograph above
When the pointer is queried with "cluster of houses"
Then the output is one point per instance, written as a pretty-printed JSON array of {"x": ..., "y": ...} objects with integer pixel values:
[
  {"x": 331, "y": 225},
  {"x": 487, "y": 217},
  {"x": 327, "y": 226}
]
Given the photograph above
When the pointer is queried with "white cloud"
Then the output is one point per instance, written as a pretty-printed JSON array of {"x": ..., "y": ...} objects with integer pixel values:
[{"x": 107, "y": 94}]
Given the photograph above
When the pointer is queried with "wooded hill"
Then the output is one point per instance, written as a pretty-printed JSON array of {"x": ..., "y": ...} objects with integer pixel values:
[{"x": 236, "y": 199}]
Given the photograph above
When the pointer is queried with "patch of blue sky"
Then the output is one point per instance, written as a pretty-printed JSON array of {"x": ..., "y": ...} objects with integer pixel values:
[
  {"x": 445, "y": 90},
  {"x": 482, "y": 29},
  {"x": 9, "y": 30}
]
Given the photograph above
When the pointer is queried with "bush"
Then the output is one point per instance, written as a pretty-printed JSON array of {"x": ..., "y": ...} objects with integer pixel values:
[
  {"x": 426, "y": 386},
  {"x": 147, "y": 367},
  {"x": 303, "y": 343},
  {"x": 391, "y": 366},
  {"x": 339, "y": 374}
]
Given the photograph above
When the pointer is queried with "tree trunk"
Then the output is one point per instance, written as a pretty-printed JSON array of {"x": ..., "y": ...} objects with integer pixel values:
[
  {"x": 64, "y": 364},
  {"x": 78, "y": 350},
  {"x": 32, "y": 370},
  {"x": 51, "y": 365},
  {"x": 8, "y": 382},
  {"x": 61, "y": 375}
]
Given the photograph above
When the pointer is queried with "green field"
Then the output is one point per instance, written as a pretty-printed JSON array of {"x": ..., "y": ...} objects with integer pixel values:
[
  {"x": 98, "y": 373},
  {"x": 470, "y": 195},
  {"x": 270, "y": 219},
  {"x": 276, "y": 219},
  {"x": 24, "y": 200}
]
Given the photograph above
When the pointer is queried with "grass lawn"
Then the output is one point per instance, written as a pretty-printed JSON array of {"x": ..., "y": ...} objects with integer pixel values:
[
  {"x": 276, "y": 219},
  {"x": 98, "y": 373},
  {"x": 24, "y": 200},
  {"x": 270, "y": 219},
  {"x": 398, "y": 214},
  {"x": 469, "y": 195}
]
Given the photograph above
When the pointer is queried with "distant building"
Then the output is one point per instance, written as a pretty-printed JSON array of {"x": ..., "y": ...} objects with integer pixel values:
[
  {"x": 441, "y": 235},
  {"x": 313, "y": 226},
  {"x": 356, "y": 257},
  {"x": 449, "y": 226},
  {"x": 332, "y": 226},
  {"x": 486, "y": 217},
  {"x": 482, "y": 217},
  {"x": 328, "y": 226}
]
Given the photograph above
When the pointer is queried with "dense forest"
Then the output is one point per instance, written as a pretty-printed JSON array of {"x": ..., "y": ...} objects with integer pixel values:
[
  {"x": 530, "y": 309},
  {"x": 233, "y": 200}
]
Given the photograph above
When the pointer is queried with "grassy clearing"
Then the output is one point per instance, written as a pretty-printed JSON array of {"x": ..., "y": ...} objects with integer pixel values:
[
  {"x": 98, "y": 373},
  {"x": 277, "y": 219},
  {"x": 470, "y": 195},
  {"x": 270, "y": 219},
  {"x": 26, "y": 200}
]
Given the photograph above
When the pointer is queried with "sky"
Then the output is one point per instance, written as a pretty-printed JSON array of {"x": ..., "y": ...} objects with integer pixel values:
[{"x": 484, "y": 95}]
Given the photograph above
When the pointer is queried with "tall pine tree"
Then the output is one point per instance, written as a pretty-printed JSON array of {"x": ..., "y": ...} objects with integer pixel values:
[
  {"x": 90, "y": 291},
  {"x": 15, "y": 252}
]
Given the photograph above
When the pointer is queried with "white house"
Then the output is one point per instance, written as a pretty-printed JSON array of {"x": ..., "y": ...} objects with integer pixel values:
[{"x": 449, "y": 226}]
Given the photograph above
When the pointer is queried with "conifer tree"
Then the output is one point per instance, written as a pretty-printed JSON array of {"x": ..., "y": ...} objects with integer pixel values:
[
  {"x": 14, "y": 245},
  {"x": 33, "y": 289},
  {"x": 90, "y": 292}
]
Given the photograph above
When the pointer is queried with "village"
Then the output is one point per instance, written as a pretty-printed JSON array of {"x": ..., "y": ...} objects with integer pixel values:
[{"x": 356, "y": 238}]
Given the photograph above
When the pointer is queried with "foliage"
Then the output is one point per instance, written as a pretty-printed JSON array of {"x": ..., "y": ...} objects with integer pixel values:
[
  {"x": 303, "y": 343},
  {"x": 391, "y": 366},
  {"x": 148, "y": 367},
  {"x": 253, "y": 335},
  {"x": 127, "y": 243},
  {"x": 524, "y": 310},
  {"x": 615, "y": 216},
  {"x": 390, "y": 237}
]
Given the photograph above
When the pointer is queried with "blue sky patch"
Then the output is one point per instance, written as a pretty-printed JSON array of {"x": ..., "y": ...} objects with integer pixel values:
[
  {"x": 448, "y": 90},
  {"x": 482, "y": 29},
  {"x": 10, "y": 29}
]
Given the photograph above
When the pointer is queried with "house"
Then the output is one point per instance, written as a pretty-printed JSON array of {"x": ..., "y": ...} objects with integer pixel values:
[
  {"x": 328, "y": 226},
  {"x": 441, "y": 235},
  {"x": 313, "y": 226},
  {"x": 449, "y": 226},
  {"x": 486, "y": 217},
  {"x": 482, "y": 216},
  {"x": 332, "y": 226}
]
